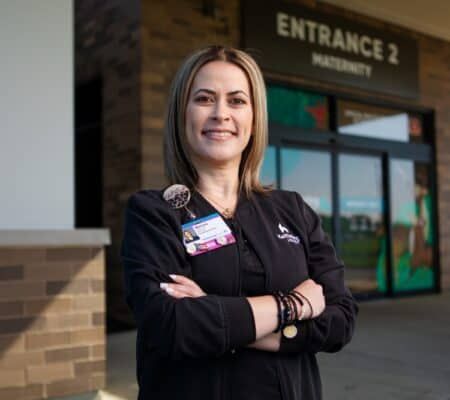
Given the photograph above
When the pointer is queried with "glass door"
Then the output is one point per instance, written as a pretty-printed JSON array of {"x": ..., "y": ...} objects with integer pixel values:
[
  {"x": 412, "y": 226},
  {"x": 361, "y": 222},
  {"x": 360, "y": 231},
  {"x": 354, "y": 215},
  {"x": 308, "y": 172}
]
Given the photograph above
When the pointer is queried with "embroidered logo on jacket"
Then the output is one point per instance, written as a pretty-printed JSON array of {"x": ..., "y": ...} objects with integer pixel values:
[{"x": 286, "y": 235}]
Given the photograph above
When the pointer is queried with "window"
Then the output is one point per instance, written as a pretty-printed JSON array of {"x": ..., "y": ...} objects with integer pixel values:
[
  {"x": 374, "y": 198},
  {"x": 297, "y": 108},
  {"x": 412, "y": 226},
  {"x": 315, "y": 188},
  {"x": 377, "y": 122},
  {"x": 361, "y": 222}
]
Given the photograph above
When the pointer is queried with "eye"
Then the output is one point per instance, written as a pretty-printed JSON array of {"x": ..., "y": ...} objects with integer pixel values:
[
  {"x": 204, "y": 99},
  {"x": 237, "y": 101}
]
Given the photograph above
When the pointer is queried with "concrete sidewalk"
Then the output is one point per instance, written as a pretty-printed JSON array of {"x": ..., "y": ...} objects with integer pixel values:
[{"x": 400, "y": 351}]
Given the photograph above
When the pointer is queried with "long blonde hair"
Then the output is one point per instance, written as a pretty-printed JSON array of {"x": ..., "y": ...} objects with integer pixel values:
[{"x": 177, "y": 163}]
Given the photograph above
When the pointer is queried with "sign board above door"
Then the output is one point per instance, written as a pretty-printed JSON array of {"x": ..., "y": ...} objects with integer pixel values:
[{"x": 298, "y": 40}]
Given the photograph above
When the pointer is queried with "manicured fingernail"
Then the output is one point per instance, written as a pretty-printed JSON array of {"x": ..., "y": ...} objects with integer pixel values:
[
  {"x": 163, "y": 286},
  {"x": 170, "y": 290},
  {"x": 173, "y": 276}
]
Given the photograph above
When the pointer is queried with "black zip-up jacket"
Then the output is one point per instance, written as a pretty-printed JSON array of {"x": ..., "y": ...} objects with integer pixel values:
[{"x": 188, "y": 348}]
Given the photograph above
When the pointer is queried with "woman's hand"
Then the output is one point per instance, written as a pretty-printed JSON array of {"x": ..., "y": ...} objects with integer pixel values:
[
  {"x": 314, "y": 293},
  {"x": 183, "y": 287}
]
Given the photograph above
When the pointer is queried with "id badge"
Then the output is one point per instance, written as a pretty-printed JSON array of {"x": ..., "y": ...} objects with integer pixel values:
[{"x": 206, "y": 234}]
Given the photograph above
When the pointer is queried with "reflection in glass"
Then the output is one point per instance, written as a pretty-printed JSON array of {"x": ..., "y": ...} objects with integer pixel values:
[
  {"x": 309, "y": 173},
  {"x": 268, "y": 174},
  {"x": 412, "y": 227},
  {"x": 378, "y": 122},
  {"x": 295, "y": 107},
  {"x": 361, "y": 219}
]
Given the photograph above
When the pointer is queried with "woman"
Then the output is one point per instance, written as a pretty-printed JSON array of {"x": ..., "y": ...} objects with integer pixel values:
[{"x": 239, "y": 312}]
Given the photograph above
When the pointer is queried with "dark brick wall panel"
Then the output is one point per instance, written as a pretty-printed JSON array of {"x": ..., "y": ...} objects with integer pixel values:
[{"x": 108, "y": 45}]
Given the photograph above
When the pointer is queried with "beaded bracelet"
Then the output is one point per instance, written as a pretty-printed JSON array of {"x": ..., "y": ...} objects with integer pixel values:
[
  {"x": 302, "y": 315},
  {"x": 279, "y": 312},
  {"x": 293, "y": 306},
  {"x": 307, "y": 300},
  {"x": 284, "y": 311},
  {"x": 287, "y": 309}
]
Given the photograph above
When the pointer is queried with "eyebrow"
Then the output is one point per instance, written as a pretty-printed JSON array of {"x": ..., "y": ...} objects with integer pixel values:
[{"x": 213, "y": 92}]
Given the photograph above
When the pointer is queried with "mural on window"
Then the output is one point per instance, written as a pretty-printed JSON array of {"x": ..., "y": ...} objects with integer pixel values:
[
  {"x": 297, "y": 108},
  {"x": 412, "y": 227}
]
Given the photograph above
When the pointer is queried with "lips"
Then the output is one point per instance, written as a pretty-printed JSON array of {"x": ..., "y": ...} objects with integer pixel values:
[{"x": 218, "y": 134}]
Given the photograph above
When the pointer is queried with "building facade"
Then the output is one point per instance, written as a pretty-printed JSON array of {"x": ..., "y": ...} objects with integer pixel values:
[{"x": 359, "y": 113}]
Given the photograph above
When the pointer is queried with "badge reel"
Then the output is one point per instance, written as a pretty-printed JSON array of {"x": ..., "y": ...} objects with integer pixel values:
[
  {"x": 200, "y": 235},
  {"x": 178, "y": 196}
]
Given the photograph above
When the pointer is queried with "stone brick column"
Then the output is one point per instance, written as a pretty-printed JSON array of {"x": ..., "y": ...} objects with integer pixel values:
[{"x": 52, "y": 316}]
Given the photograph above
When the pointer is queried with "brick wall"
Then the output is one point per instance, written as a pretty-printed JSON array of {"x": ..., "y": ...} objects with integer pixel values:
[
  {"x": 52, "y": 330},
  {"x": 170, "y": 31},
  {"x": 107, "y": 46},
  {"x": 435, "y": 93}
]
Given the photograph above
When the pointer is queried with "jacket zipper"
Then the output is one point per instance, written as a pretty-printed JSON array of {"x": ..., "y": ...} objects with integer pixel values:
[
  {"x": 239, "y": 275},
  {"x": 227, "y": 393},
  {"x": 238, "y": 236}
]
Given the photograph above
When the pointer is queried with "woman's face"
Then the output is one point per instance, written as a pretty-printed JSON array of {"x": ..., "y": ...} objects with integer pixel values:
[{"x": 219, "y": 115}]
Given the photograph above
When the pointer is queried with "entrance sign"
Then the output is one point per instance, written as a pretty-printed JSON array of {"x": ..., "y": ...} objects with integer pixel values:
[{"x": 298, "y": 40}]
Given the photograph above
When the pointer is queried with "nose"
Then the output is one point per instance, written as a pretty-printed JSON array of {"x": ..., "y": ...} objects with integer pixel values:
[{"x": 220, "y": 111}]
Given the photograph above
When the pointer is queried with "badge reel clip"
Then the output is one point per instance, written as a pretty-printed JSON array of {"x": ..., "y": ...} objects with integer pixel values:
[{"x": 178, "y": 196}]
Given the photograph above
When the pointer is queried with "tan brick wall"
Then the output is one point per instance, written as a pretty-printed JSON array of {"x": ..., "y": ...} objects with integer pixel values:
[{"x": 52, "y": 322}]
